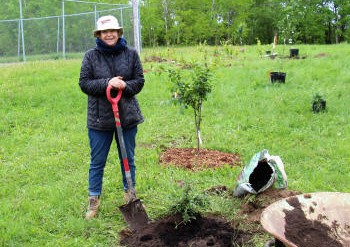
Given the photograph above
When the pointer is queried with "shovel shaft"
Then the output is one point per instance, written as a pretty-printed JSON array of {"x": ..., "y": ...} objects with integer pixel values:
[
  {"x": 133, "y": 212},
  {"x": 114, "y": 102},
  {"x": 124, "y": 157}
]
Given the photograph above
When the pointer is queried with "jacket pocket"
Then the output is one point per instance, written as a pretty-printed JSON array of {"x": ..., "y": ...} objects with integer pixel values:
[
  {"x": 98, "y": 111},
  {"x": 93, "y": 111}
]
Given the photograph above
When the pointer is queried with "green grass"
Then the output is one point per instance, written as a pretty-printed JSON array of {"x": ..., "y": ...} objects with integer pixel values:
[{"x": 44, "y": 153}]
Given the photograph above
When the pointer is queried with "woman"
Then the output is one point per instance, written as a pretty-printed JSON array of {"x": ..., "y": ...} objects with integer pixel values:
[{"x": 113, "y": 63}]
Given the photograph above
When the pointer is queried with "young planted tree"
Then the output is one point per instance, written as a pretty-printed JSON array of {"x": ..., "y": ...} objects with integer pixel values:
[
  {"x": 192, "y": 92},
  {"x": 189, "y": 205}
]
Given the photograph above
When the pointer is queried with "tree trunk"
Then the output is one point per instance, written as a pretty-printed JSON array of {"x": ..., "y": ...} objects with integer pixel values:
[{"x": 197, "y": 119}]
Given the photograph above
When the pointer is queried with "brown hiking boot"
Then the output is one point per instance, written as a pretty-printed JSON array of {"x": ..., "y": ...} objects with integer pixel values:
[{"x": 92, "y": 208}]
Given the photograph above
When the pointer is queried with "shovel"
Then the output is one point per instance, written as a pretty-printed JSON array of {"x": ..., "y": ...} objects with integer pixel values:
[{"x": 133, "y": 211}]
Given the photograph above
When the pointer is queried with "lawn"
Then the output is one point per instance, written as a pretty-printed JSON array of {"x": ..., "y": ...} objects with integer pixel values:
[{"x": 44, "y": 153}]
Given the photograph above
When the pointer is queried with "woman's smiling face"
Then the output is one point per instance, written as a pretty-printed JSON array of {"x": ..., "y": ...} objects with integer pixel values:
[{"x": 110, "y": 36}]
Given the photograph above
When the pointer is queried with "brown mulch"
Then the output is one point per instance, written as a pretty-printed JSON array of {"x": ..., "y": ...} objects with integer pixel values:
[{"x": 190, "y": 158}]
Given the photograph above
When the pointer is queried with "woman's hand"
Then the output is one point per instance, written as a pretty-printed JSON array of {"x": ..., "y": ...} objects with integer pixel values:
[{"x": 117, "y": 83}]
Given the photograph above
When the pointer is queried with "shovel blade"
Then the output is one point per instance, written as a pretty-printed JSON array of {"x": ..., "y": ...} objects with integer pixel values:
[{"x": 134, "y": 214}]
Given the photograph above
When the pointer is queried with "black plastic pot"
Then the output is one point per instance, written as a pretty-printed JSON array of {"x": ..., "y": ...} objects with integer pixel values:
[
  {"x": 319, "y": 106},
  {"x": 278, "y": 77},
  {"x": 293, "y": 53}
]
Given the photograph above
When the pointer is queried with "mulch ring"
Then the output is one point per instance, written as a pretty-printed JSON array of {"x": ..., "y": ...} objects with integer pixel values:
[{"x": 190, "y": 158}]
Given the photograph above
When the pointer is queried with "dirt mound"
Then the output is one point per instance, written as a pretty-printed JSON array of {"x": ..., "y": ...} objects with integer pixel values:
[
  {"x": 208, "y": 230},
  {"x": 252, "y": 207},
  {"x": 203, "y": 231}
]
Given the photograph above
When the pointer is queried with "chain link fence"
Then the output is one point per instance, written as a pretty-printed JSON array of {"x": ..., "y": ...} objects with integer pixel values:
[{"x": 61, "y": 36}]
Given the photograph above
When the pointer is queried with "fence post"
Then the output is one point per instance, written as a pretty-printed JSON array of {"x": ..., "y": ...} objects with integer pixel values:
[
  {"x": 136, "y": 21},
  {"x": 19, "y": 39},
  {"x": 95, "y": 12},
  {"x": 58, "y": 36},
  {"x": 21, "y": 24},
  {"x": 63, "y": 33}
]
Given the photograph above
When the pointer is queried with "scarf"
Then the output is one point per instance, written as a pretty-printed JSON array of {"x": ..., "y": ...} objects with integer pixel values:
[{"x": 119, "y": 46}]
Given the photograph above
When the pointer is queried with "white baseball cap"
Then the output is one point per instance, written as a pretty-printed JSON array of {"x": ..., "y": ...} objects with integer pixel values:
[{"x": 107, "y": 22}]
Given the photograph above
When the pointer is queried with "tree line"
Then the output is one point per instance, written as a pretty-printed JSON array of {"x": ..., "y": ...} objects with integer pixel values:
[
  {"x": 238, "y": 22},
  {"x": 177, "y": 22}
]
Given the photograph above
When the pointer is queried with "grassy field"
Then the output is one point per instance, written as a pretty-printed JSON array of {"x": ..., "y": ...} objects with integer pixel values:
[{"x": 44, "y": 153}]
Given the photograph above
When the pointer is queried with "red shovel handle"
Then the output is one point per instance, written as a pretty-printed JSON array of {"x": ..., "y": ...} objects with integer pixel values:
[{"x": 113, "y": 100}]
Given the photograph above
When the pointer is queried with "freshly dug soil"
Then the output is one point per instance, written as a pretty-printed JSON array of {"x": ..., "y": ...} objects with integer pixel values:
[
  {"x": 305, "y": 232},
  {"x": 203, "y": 231},
  {"x": 213, "y": 230},
  {"x": 252, "y": 208},
  {"x": 209, "y": 230}
]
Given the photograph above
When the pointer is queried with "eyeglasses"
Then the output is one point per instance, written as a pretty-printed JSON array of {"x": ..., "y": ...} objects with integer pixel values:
[{"x": 109, "y": 31}]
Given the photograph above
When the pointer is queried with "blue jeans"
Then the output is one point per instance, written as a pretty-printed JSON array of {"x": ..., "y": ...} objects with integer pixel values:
[{"x": 100, "y": 143}]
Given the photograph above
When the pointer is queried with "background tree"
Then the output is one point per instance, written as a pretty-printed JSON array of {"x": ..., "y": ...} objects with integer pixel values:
[
  {"x": 262, "y": 20},
  {"x": 153, "y": 28},
  {"x": 340, "y": 19},
  {"x": 178, "y": 22}
]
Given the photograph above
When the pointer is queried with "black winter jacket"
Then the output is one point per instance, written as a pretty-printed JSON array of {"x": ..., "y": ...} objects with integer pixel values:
[{"x": 96, "y": 70}]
